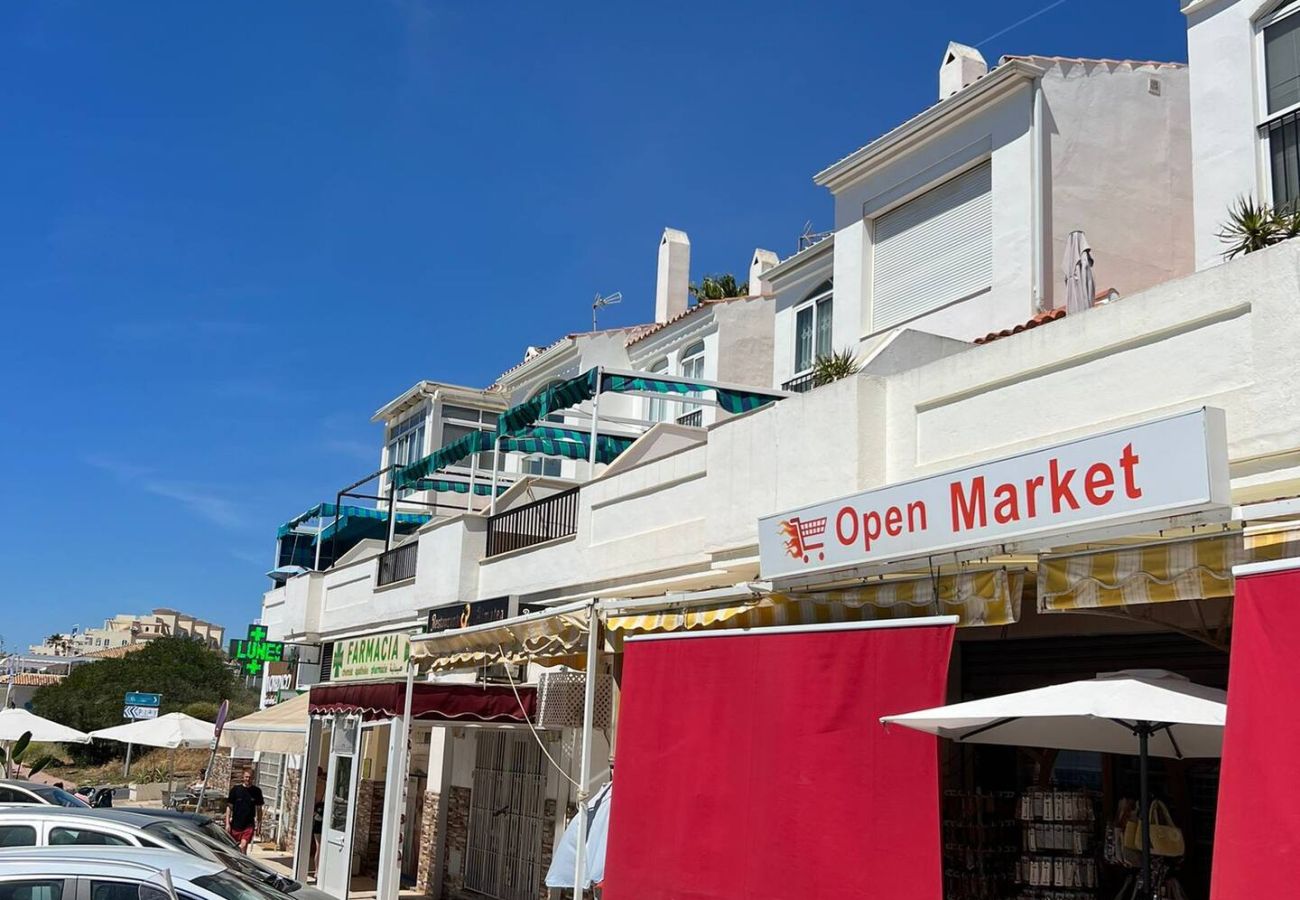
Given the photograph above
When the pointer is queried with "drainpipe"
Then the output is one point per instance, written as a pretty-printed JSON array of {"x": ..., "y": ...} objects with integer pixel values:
[{"x": 1038, "y": 213}]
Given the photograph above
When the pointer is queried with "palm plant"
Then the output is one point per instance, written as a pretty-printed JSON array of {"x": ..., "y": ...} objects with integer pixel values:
[
  {"x": 13, "y": 757},
  {"x": 1252, "y": 226},
  {"x": 718, "y": 287},
  {"x": 830, "y": 367}
]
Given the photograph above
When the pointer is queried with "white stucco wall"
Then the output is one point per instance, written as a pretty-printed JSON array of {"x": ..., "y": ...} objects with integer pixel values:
[
  {"x": 1224, "y": 103},
  {"x": 1120, "y": 159},
  {"x": 792, "y": 285}
]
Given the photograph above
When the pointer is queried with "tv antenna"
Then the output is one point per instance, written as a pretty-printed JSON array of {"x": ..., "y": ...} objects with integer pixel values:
[{"x": 601, "y": 302}]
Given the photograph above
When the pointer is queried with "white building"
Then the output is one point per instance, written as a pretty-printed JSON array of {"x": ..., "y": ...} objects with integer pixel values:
[
  {"x": 125, "y": 629},
  {"x": 1245, "y": 103}
]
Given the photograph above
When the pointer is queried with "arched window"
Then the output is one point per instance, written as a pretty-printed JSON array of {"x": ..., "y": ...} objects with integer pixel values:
[
  {"x": 657, "y": 407},
  {"x": 549, "y": 466},
  {"x": 692, "y": 368},
  {"x": 812, "y": 327},
  {"x": 1278, "y": 36}
]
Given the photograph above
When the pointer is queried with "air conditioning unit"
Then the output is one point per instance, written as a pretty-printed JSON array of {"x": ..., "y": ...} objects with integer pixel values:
[{"x": 560, "y": 698}]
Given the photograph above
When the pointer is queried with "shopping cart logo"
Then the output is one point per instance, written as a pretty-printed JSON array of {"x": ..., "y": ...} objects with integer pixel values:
[{"x": 803, "y": 537}]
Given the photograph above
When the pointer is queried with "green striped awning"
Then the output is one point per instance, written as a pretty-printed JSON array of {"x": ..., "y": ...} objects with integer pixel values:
[
  {"x": 444, "y": 486},
  {"x": 729, "y": 399},
  {"x": 561, "y": 396},
  {"x": 449, "y": 455},
  {"x": 607, "y": 448},
  {"x": 344, "y": 513}
]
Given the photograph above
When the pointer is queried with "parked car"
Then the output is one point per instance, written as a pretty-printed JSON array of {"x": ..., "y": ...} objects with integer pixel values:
[
  {"x": 200, "y": 821},
  {"x": 120, "y": 873},
  {"x": 128, "y": 828},
  {"x": 28, "y": 792}
]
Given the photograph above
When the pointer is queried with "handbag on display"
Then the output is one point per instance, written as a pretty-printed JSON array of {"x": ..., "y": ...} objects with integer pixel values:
[{"x": 1166, "y": 837}]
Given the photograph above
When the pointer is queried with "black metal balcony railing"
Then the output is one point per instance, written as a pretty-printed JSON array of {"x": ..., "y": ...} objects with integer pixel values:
[
  {"x": 800, "y": 384},
  {"x": 694, "y": 419},
  {"x": 535, "y": 523},
  {"x": 398, "y": 564}
]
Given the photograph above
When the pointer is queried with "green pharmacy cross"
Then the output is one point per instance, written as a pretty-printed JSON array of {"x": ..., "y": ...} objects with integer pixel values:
[{"x": 255, "y": 650}]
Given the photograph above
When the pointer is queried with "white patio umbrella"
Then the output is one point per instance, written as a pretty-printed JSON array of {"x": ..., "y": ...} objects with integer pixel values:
[
  {"x": 171, "y": 731},
  {"x": 1137, "y": 712},
  {"x": 14, "y": 723},
  {"x": 1080, "y": 287}
]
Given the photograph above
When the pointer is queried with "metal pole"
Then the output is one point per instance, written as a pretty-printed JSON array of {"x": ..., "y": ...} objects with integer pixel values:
[
  {"x": 392, "y": 511},
  {"x": 1144, "y": 808},
  {"x": 496, "y": 464},
  {"x": 584, "y": 764},
  {"x": 334, "y": 529},
  {"x": 316, "y": 565},
  {"x": 595, "y": 419},
  {"x": 126, "y": 769}
]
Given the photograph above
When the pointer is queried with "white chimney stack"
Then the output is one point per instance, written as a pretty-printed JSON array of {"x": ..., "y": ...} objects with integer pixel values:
[
  {"x": 762, "y": 261},
  {"x": 672, "y": 284},
  {"x": 961, "y": 66}
]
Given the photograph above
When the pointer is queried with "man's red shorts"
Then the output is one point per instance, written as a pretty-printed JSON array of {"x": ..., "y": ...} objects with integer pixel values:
[{"x": 242, "y": 835}]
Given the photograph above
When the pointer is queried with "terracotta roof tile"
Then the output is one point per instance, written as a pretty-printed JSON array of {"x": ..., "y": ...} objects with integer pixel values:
[
  {"x": 30, "y": 679},
  {"x": 644, "y": 331},
  {"x": 1105, "y": 295}
]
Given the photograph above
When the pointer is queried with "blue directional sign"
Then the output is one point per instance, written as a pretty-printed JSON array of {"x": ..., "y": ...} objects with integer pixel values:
[{"x": 134, "y": 698}]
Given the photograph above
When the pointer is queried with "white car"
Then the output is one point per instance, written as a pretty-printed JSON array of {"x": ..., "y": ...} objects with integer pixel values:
[
  {"x": 119, "y": 873},
  {"x": 15, "y": 791}
]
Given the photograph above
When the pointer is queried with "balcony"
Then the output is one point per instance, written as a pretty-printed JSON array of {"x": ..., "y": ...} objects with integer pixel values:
[
  {"x": 693, "y": 419},
  {"x": 800, "y": 384},
  {"x": 534, "y": 523},
  {"x": 398, "y": 564}
]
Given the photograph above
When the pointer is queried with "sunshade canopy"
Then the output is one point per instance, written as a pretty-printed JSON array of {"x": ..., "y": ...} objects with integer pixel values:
[
  {"x": 14, "y": 723},
  {"x": 1089, "y": 715},
  {"x": 277, "y": 729},
  {"x": 172, "y": 730},
  {"x": 348, "y": 516},
  {"x": 433, "y": 702}
]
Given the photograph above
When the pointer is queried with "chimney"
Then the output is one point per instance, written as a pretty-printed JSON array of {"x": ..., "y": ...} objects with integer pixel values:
[
  {"x": 762, "y": 261},
  {"x": 961, "y": 66},
  {"x": 673, "y": 280}
]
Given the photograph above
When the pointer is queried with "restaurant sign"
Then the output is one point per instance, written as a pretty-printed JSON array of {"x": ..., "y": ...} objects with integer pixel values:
[
  {"x": 477, "y": 612},
  {"x": 371, "y": 657},
  {"x": 1169, "y": 467}
]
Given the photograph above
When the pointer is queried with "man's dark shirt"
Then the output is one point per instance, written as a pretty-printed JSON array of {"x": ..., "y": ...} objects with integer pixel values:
[{"x": 243, "y": 803}]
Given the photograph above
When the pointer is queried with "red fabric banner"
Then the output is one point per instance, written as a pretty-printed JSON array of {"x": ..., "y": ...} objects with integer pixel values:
[
  {"x": 754, "y": 766},
  {"x": 432, "y": 702},
  {"x": 1257, "y": 831}
]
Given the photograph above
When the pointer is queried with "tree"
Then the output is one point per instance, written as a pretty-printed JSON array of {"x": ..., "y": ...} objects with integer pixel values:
[
  {"x": 834, "y": 366},
  {"x": 718, "y": 287},
  {"x": 183, "y": 671}
]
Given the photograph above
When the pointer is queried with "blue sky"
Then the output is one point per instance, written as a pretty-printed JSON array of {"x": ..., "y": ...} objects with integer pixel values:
[{"x": 233, "y": 230}]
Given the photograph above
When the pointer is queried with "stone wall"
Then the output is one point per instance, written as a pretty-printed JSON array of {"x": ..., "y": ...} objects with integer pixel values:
[
  {"x": 368, "y": 827},
  {"x": 427, "y": 842},
  {"x": 548, "y": 845},
  {"x": 457, "y": 839},
  {"x": 292, "y": 791},
  {"x": 219, "y": 776}
]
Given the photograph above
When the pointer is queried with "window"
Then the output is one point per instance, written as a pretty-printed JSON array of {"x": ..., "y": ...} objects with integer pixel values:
[
  {"x": 933, "y": 250},
  {"x": 1281, "y": 96},
  {"x": 62, "y": 837},
  {"x": 17, "y": 836},
  {"x": 406, "y": 440},
  {"x": 657, "y": 407},
  {"x": 458, "y": 421},
  {"x": 548, "y": 466},
  {"x": 59, "y": 797},
  {"x": 14, "y": 795},
  {"x": 693, "y": 369},
  {"x": 125, "y": 890},
  {"x": 812, "y": 327},
  {"x": 44, "y": 889},
  {"x": 342, "y": 793}
]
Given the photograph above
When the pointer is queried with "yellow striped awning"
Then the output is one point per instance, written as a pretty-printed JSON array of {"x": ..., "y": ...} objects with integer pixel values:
[
  {"x": 551, "y": 638},
  {"x": 976, "y": 598},
  {"x": 1191, "y": 569}
]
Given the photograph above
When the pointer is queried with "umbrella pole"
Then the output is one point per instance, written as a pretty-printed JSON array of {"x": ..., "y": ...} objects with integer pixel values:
[
  {"x": 1144, "y": 807},
  {"x": 171, "y": 772}
]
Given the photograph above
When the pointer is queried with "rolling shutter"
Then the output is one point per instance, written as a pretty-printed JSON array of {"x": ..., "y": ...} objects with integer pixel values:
[{"x": 934, "y": 249}]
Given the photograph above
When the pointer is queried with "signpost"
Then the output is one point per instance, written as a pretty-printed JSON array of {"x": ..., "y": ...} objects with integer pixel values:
[
  {"x": 137, "y": 706},
  {"x": 222, "y": 713}
]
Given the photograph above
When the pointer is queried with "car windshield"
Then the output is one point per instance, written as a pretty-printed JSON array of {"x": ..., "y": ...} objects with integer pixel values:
[
  {"x": 232, "y": 887},
  {"x": 199, "y": 844},
  {"x": 59, "y": 797}
]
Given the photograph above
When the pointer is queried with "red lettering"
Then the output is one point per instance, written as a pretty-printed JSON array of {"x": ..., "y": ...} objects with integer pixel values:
[
  {"x": 1097, "y": 484},
  {"x": 893, "y": 521},
  {"x": 916, "y": 510},
  {"x": 1031, "y": 495},
  {"x": 852, "y": 515},
  {"x": 1128, "y": 461},
  {"x": 1060, "y": 487},
  {"x": 870, "y": 529},
  {"x": 966, "y": 511},
  {"x": 1007, "y": 508}
]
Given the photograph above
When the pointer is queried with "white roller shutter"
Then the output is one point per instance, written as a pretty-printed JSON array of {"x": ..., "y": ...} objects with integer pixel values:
[{"x": 934, "y": 249}]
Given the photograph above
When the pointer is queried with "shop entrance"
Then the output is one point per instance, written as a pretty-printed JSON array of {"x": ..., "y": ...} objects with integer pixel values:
[
  {"x": 507, "y": 816},
  {"x": 335, "y": 865}
]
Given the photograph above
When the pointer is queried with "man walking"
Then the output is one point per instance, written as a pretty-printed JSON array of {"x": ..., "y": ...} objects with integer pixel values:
[{"x": 244, "y": 810}]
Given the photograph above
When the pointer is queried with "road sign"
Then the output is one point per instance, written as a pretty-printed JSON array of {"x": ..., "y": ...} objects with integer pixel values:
[
  {"x": 136, "y": 713},
  {"x": 222, "y": 713},
  {"x": 134, "y": 698}
]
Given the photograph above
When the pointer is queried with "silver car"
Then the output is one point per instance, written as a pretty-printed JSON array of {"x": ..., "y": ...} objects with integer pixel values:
[
  {"x": 120, "y": 873},
  {"x": 14, "y": 791},
  {"x": 54, "y": 827}
]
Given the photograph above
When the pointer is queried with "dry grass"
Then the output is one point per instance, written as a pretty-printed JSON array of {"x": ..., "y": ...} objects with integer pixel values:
[{"x": 144, "y": 762}]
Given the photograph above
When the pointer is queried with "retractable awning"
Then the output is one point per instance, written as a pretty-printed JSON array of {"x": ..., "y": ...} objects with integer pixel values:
[
  {"x": 429, "y": 702},
  {"x": 277, "y": 729},
  {"x": 348, "y": 517},
  {"x": 554, "y": 636},
  {"x": 976, "y": 598}
]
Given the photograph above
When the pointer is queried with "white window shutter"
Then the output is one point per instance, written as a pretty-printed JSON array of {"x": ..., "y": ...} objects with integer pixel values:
[{"x": 934, "y": 249}]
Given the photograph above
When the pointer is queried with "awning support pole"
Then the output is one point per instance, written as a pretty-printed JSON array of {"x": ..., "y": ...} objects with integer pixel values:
[
  {"x": 496, "y": 465},
  {"x": 316, "y": 565},
  {"x": 595, "y": 420},
  {"x": 584, "y": 765},
  {"x": 392, "y": 510},
  {"x": 1144, "y": 808}
]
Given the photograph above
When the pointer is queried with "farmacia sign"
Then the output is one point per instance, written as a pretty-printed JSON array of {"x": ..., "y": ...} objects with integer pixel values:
[{"x": 374, "y": 656}]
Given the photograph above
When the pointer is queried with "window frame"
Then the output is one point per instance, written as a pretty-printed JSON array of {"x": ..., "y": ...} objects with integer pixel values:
[
  {"x": 29, "y": 827},
  {"x": 824, "y": 291},
  {"x": 693, "y": 355},
  {"x": 1263, "y": 117},
  {"x": 481, "y": 461},
  {"x": 657, "y": 407},
  {"x": 68, "y": 881}
]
